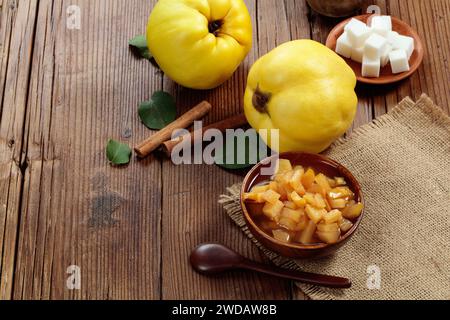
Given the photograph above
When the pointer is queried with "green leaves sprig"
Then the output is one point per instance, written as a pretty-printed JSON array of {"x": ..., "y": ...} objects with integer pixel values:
[
  {"x": 118, "y": 153},
  {"x": 139, "y": 45},
  {"x": 159, "y": 111}
]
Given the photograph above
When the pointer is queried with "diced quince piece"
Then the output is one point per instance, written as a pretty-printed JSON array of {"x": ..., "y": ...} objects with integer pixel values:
[
  {"x": 286, "y": 193},
  {"x": 273, "y": 210},
  {"x": 283, "y": 165},
  {"x": 286, "y": 177},
  {"x": 353, "y": 211},
  {"x": 322, "y": 181},
  {"x": 329, "y": 237},
  {"x": 271, "y": 196},
  {"x": 287, "y": 187},
  {"x": 332, "y": 216},
  {"x": 290, "y": 205},
  {"x": 345, "y": 225},
  {"x": 340, "y": 181},
  {"x": 328, "y": 233},
  {"x": 308, "y": 178},
  {"x": 273, "y": 185},
  {"x": 255, "y": 197},
  {"x": 310, "y": 199},
  {"x": 281, "y": 235},
  {"x": 307, "y": 233},
  {"x": 320, "y": 202},
  {"x": 332, "y": 182},
  {"x": 340, "y": 192},
  {"x": 296, "y": 181},
  {"x": 315, "y": 188},
  {"x": 315, "y": 214},
  {"x": 338, "y": 203},
  {"x": 287, "y": 223},
  {"x": 302, "y": 224},
  {"x": 282, "y": 192},
  {"x": 324, "y": 227},
  {"x": 283, "y": 181},
  {"x": 294, "y": 215},
  {"x": 257, "y": 189},
  {"x": 299, "y": 201},
  {"x": 269, "y": 225}
]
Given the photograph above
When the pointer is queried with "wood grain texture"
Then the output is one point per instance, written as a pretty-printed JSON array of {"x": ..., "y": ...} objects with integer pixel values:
[
  {"x": 64, "y": 93},
  {"x": 16, "y": 37},
  {"x": 191, "y": 214},
  {"x": 77, "y": 209}
]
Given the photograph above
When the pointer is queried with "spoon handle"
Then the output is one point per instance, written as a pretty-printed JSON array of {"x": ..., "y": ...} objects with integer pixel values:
[{"x": 304, "y": 277}]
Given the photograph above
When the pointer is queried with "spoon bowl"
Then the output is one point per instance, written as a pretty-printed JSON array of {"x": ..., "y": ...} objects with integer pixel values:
[{"x": 214, "y": 258}]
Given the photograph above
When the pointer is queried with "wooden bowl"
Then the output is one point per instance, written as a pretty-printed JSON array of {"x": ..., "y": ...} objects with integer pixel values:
[
  {"x": 386, "y": 75},
  {"x": 319, "y": 163}
]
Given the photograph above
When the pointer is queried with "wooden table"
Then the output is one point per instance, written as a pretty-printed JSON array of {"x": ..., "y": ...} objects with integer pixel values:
[{"x": 64, "y": 92}]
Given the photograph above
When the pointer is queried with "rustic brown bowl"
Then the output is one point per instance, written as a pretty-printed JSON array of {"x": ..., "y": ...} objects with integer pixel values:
[
  {"x": 319, "y": 163},
  {"x": 386, "y": 75}
]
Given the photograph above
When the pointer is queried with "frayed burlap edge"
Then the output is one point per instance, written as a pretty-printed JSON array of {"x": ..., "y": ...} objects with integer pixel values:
[
  {"x": 424, "y": 104},
  {"x": 231, "y": 201}
]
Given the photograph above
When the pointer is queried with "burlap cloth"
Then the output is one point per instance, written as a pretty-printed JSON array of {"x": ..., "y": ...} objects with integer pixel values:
[{"x": 402, "y": 247}]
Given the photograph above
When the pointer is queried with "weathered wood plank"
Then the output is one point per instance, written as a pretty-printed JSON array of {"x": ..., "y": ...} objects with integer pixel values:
[
  {"x": 191, "y": 214},
  {"x": 298, "y": 20},
  {"x": 77, "y": 210},
  {"x": 430, "y": 19},
  {"x": 16, "y": 39}
]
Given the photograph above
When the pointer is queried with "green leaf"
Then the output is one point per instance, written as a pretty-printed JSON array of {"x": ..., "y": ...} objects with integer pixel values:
[
  {"x": 139, "y": 45},
  {"x": 118, "y": 153},
  {"x": 159, "y": 111},
  {"x": 249, "y": 151}
]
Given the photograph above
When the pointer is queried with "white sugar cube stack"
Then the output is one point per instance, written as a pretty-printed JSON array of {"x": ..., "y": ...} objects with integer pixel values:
[
  {"x": 381, "y": 25},
  {"x": 399, "y": 61},
  {"x": 358, "y": 34},
  {"x": 375, "y": 46},
  {"x": 404, "y": 43},
  {"x": 370, "y": 67},
  {"x": 344, "y": 46}
]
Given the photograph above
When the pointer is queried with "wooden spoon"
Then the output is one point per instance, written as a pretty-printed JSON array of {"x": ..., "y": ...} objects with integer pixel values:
[{"x": 210, "y": 259}]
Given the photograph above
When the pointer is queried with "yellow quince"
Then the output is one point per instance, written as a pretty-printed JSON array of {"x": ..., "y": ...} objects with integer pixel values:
[
  {"x": 306, "y": 91},
  {"x": 199, "y": 43}
]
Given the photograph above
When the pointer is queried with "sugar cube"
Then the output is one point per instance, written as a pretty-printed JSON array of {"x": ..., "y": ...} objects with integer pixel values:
[
  {"x": 399, "y": 61},
  {"x": 406, "y": 43},
  {"x": 358, "y": 34},
  {"x": 385, "y": 55},
  {"x": 357, "y": 54},
  {"x": 381, "y": 25},
  {"x": 370, "y": 67},
  {"x": 392, "y": 37},
  {"x": 352, "y": 23},
  {"x": 374, "y": 46},
  {"x": 343, "y": 46}
]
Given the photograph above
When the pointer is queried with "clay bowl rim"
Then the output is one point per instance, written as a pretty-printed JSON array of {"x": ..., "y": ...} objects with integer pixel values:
[
  {"x": 286, "y": 155},
  {"x": 384, "y": 79}
]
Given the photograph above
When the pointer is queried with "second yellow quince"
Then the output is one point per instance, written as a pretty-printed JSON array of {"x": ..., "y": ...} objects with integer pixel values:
[
  {"x": 306, "y": 91},
  {"x": 199, "y": 44}
]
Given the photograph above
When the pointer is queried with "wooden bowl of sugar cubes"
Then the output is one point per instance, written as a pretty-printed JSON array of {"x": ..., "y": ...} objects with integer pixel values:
[{"x": 379, "y": 49}]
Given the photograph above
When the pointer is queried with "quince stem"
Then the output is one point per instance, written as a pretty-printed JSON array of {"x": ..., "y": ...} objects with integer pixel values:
[
  {"x": 214, "y": 26},
  {"x": 260, "y": 100}
]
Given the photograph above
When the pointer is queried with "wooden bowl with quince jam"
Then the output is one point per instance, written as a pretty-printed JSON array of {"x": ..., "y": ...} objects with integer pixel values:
[{"x": 308, "y": 206}]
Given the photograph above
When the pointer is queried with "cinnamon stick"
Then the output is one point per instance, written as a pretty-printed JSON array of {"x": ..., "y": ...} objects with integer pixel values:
[
  {"x": 147, "y": 146},
  {"x": 229, "y": 123}
]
